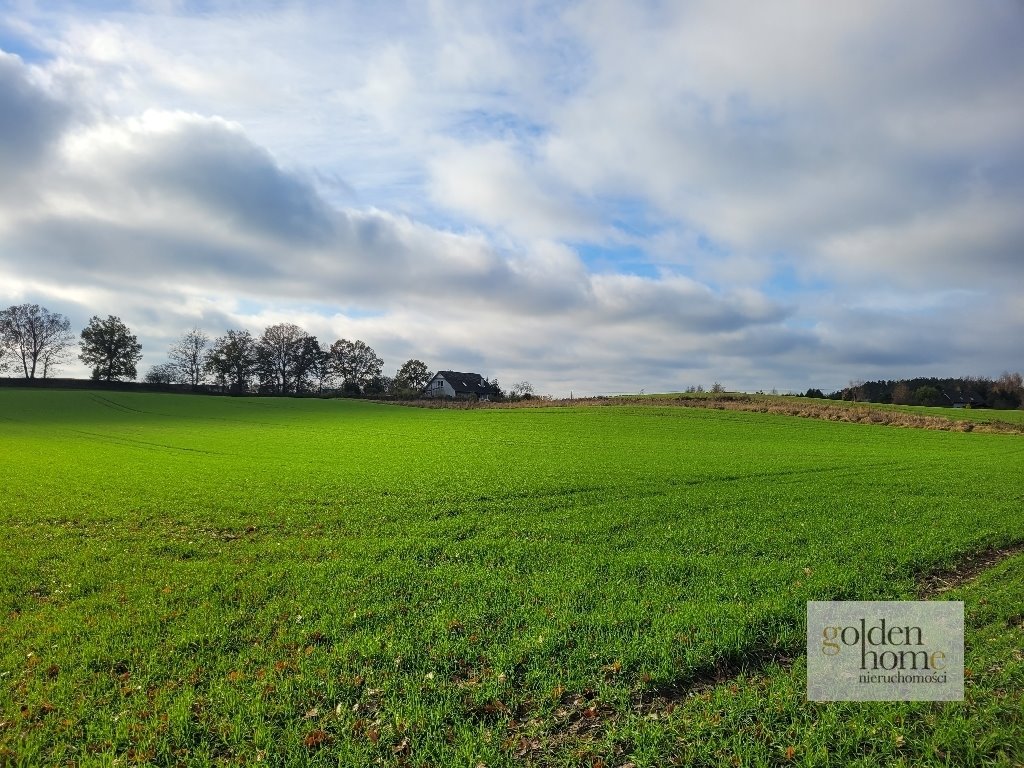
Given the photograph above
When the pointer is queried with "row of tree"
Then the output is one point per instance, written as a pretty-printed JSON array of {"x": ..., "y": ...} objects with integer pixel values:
[
  {"x": 1006, "y": 391},
  {"x": 285, "y": 359}
]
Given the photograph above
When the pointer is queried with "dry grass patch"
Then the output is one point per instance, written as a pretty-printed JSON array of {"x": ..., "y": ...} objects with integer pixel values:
[{"x": 784, "y": 406}]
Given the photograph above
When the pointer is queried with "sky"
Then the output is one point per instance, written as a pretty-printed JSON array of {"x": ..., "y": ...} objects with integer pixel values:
[{"x": 595, "y": 197}]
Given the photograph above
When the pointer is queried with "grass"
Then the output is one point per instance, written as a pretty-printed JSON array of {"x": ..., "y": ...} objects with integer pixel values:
[
  {"x": 957, "y": 419},
  {"x": 206, "y": 581},
  {"x": 983, "y": 416}
]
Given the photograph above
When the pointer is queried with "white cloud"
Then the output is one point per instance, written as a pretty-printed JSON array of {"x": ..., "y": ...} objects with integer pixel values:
[
  {"x": 495, "y": 185},
  {"x": 435, "y": 174}
]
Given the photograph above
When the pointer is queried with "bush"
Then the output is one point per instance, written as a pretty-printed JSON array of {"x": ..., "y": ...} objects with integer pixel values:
[{"x": 928, "y": 395}]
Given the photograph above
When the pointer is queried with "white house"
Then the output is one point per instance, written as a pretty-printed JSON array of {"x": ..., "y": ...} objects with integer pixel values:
[{"x": 456, "y": 384}]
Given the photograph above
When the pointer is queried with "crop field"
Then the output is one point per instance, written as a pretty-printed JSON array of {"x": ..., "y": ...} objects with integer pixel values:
[
  {"x": 216, "y": 581},
  {"x": 977, "y": 415}
]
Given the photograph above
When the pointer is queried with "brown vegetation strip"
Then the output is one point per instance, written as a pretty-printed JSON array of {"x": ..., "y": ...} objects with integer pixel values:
[
  {"x": 810, "y": 409},
  {"x": 933, "y": 584}
]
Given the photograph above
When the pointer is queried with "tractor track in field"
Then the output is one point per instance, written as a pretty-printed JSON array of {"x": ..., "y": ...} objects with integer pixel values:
[
  {"x": 134, "y": 443},
  {"x": 581, "y": 717},
  {"x": 967, "y": 568},
  {"x": 108, "y": 403}
]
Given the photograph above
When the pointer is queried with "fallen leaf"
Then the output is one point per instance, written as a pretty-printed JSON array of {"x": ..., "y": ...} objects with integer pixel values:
[{"x": 316, "y": 739}]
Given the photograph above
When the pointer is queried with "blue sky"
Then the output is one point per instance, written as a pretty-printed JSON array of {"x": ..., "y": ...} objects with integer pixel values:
[{"x": 596, "y": 196}]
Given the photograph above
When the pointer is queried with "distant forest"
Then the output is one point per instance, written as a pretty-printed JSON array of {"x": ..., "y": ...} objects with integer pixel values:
[{"x": 1007, "y": 391}]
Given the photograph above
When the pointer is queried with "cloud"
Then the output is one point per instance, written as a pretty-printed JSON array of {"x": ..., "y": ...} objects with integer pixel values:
[
  {"x": 205, "y": 164},
  {"x": 777, "y": 195},
  {"x": 782, "y": 129},
  {"x": 30, "y": 121},
  {"x": 495, "y": 185},
  {"x": 168, "y": 206}
]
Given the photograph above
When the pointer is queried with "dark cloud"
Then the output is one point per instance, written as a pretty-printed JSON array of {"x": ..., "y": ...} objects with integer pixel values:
[{"x": 30, "y": 120}]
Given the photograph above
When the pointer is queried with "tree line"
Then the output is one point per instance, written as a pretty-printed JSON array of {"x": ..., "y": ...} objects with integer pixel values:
[
  {"x": 1006, "y": 391},
  {"x": 284, "y": 359}
]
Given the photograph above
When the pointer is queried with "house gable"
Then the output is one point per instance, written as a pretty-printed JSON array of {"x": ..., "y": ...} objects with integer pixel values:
[{"x": 458, "y": 384}]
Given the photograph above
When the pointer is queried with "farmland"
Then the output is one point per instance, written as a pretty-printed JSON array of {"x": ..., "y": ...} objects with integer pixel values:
[{"x": 205, "y": 580}]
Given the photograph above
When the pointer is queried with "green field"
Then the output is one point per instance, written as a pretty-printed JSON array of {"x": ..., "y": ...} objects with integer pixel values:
[
  {"x": 980, "y": 415},
  {"x": 199, "y": 580},
  {"x": 977, "y": 415}
]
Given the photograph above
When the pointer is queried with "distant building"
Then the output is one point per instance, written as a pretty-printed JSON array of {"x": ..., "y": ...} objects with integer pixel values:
[
  {"x": 456, "y": 384},
  {"x": 963, "y": 400}
]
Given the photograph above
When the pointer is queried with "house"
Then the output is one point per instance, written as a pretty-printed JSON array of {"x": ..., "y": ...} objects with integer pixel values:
[
  {"x": 456, "y": 384},
  {"x": 963, "y": 400}
]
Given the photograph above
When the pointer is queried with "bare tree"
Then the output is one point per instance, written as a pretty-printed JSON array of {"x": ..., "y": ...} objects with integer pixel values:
[
  {"x": 281, "y": 355},
  {"x": 1008, "y": 390},
  {"x": 36, "y": 338},
  {"x": 6, "y": 353},
  {"x": 521, "y": 390},
  {"x": 901, "y": 394},
  {"x": 855, "y": 391},
  {"x": 188, "y": 354}
]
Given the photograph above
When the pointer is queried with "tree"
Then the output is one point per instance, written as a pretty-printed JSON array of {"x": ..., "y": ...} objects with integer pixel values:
[
  {"x": 521, "y": 390},
  {"x": 928, "y": 395},
  {"x": 283, "y": 356},
  {"x": 311, "y": 366},
  {"x": 110, "y": 348},
  {"x": 355, "y": 362},
  {"x": 318, "y": 370},
  {"x": 232, "y": 360},
  {"x": 901, "y": 394},
  {"x": 380, "y": 385},
  {"x": 35, "y": 337},
  {"x": 498, "y": 393},
  {"x": 855, "y": 391},
  {"x": 412, "y": 377},
  {"x": 163, "y": 373},
  {"x": 1008, "y": 390},
  {"x": 188, "y": 356}
]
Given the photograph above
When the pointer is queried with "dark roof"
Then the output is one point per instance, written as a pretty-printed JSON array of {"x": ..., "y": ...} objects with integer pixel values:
[
  {"x": 467, "y": 383},
  {"x": 963, "y": 398}
]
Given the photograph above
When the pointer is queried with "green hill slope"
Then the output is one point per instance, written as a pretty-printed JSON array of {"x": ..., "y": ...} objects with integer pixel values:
[{"x": 212, "y": 580}]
